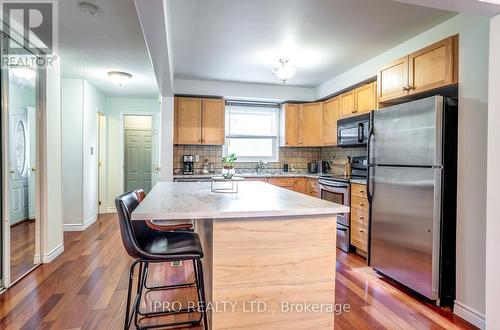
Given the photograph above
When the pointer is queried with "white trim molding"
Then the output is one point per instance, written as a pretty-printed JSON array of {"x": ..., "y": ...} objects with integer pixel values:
[
  {"x": 111, "y": 209},
  {"x": 49, "y": 257},
  {"x": 80, "y": 226},
  {"x": 470, "y": 315}
]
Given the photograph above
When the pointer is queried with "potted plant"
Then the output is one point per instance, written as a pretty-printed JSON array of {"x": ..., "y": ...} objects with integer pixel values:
[{"x": 228, "y": 165}]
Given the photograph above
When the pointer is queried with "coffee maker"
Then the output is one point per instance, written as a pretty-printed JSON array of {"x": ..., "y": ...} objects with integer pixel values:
[{"x": 188, "y": 166}]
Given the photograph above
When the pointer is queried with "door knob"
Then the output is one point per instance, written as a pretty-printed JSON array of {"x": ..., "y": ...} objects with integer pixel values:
[
  {"x": 33, "y": 169},
  {"x": 12, "y": 171}
]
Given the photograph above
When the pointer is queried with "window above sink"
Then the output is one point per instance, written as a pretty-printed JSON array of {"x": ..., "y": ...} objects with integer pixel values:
[{"x": 252, "y": 131}]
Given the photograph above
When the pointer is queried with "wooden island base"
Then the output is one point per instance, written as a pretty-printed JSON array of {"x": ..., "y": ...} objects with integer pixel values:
[{"x": 270, "y": 273}]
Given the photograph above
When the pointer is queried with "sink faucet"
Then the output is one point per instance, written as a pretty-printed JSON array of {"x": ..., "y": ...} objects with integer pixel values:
[{"x": 260, "y": 166}]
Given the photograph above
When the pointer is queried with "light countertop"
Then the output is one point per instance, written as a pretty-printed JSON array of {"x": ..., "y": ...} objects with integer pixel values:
[{"x": 194, "y": 200}]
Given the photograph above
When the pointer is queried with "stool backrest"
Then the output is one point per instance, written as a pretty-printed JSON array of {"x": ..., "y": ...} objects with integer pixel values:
[
  {"x": 141, "y": 194},
  {"x": 125, "y": 205}
]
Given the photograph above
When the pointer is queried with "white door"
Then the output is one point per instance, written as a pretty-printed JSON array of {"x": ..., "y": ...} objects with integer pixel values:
[
  {"x": 155, "y": 149},
  {"x": 31, "y": 171},
  {"x": 19, "y": 162}
]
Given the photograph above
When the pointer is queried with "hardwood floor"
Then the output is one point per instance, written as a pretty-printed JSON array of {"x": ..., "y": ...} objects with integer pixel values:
[
  {"x": 22, "y": 248},
  {"x": 85, "y": 288}
]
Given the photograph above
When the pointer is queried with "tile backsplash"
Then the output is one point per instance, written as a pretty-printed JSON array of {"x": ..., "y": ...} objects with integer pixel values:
[{"x": 299, "y": 157}]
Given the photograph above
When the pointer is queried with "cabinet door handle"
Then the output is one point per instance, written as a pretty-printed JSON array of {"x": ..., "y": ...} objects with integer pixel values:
[
  {"x": 405, "y": 89},
  {"x": 361, "y": 230},
  {"x": 361, "y": 204},
  {"x": 361, "y": 218},
  {"x": 361, "y": 191}
]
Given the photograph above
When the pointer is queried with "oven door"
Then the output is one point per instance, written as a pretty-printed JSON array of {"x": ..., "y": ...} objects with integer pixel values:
[{"x": 337, "y": 192}]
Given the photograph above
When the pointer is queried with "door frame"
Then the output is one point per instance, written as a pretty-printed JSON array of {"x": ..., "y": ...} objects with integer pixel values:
[
  {"x": 40, "y": 89},
  {"x": 102, "y": 162},
  {"x": 122, "y": 140}
]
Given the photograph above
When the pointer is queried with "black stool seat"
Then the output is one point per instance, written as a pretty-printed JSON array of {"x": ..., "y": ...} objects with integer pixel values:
[
  {"x": 148, "y": 245},
  {"x": 175, "y": 245}
]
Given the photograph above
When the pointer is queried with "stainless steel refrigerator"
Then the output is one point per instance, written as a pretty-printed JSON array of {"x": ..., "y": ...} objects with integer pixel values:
[{"x": 412, "y": 177}]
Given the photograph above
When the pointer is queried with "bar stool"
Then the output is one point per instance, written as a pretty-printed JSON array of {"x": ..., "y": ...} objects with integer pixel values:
[
  {"x": 141, "y": 194},
  {"x": 147, "y": 246}
]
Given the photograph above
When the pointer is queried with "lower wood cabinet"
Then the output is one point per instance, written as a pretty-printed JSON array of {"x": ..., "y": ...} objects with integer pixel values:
[
  {"x": 359, "y": 217},
  {"x": 312, "y": 188}
]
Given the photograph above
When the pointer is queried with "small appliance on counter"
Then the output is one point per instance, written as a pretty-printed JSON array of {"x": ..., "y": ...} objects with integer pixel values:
[
  {"x": 312, "y": 167},
  {"x": 188, "y": 164},
  {"x": 323, "y": 167}
]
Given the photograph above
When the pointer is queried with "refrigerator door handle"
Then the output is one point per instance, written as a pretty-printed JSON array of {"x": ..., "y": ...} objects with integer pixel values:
[
  {"x": 368, "y": 191},
  {"x": 368, "y": 185},
  {"x": 436, "y": 231}
]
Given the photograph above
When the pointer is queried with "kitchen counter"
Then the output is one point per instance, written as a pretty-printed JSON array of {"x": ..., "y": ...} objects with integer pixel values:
[
  {"x": 194, "y": 200},
  {"x": 259, "y": 245}
]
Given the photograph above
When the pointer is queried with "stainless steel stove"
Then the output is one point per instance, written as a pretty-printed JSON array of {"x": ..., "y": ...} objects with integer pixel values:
[{"x": 337, "y": 189}]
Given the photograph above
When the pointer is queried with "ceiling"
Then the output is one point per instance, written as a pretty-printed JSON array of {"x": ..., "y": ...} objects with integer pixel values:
[
  {"x": 241, "y": 40},
  {"x": 113, "y": 40},
  {"x": 478, "y": 7}
]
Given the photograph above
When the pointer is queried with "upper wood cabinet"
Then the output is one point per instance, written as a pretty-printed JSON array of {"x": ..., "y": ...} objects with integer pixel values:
[
  {"x": 392, "y": 80},
  {"x": 433, "y": 67},
  {"x": 290, "y": 125},
  {"x": 348, "y": 104},
  {"x": 212, "y": 121},
  {"x": 365, "y": 98},
  {"x": 311, "y": 115},
  {"x": 331, "y": 113},
  {"x": 188, "y": 120},
  {"x": 198, "y": 121}
]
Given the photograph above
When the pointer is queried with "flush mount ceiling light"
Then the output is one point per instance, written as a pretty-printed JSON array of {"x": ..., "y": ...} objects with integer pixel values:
[
  {"x": 88, "y": 8},
  {"x": 284, "y": 70},
  {"x": 24, "y": 72},
  {"x": 118, "y": 77}
]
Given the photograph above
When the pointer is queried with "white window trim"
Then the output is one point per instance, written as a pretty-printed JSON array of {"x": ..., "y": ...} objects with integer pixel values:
[{"x": 255, "y": 159}]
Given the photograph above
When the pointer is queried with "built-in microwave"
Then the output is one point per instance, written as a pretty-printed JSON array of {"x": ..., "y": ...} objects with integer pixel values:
[{"x": 353, "y": 131}]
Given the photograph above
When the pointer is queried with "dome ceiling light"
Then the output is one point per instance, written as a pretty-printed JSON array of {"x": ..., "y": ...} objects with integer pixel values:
[
  {"x": 284, "y": 71},
  {"x": 120, "y": 78},
  {"x": 24, "y": 72}
]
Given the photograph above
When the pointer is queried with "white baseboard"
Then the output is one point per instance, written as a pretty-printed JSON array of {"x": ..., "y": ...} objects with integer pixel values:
[
  {"x": 111, "y": 209},
  {"x": 80, "y": 226},
  {"x": 36, "y": 259},
  {"x": 49, "y": 257},
  {"x": 470, "y": 315}
]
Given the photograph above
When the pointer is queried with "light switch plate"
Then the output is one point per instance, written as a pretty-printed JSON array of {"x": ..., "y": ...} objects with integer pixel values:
[{"x": 197, "y": 158}]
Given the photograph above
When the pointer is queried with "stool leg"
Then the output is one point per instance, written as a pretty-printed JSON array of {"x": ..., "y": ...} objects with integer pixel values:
[
  {"x": 129, "y": 297},
  {"x": 201, "y": 290},
  {"x": 140, "y": 287}
]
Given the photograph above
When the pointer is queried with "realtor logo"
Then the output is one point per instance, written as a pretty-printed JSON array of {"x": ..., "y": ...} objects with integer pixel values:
[{"x": 31, "y": 26}]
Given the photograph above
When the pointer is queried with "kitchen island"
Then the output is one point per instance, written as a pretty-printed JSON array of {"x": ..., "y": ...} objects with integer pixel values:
[{"x": 269, "y": 252}]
